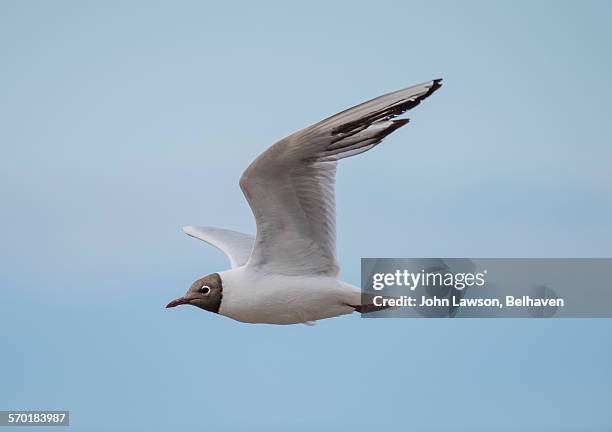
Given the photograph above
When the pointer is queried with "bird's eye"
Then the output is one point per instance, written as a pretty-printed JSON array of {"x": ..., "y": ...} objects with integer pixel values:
[{"x": 205, "y": 290}]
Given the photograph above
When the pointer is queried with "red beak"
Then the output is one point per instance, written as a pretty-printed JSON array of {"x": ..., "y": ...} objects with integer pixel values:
[{"x": 177, "y": 302}]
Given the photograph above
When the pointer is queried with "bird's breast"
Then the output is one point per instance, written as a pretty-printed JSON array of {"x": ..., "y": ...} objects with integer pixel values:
[{"x": 281, "y": 299}]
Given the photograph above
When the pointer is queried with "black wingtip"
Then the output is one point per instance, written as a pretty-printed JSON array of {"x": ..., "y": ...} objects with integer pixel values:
[
  {"x": 437, "y": 83},
  {"x": 386, "y": 112},
  {"x": 400, "y": 122},
  {"x": 395, "y": 124}
]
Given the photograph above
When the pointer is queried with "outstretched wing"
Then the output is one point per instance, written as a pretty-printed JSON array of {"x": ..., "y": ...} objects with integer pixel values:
[
  {"x": 237, "y": 246},
  {"x": 290, "y": 187}
]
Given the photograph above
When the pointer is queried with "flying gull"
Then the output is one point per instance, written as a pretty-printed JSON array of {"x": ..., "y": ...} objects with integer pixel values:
[{"x": 288, "y": 272}]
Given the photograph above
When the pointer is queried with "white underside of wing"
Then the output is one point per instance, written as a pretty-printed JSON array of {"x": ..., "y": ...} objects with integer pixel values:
[
  {"x": 296, "y": 221},
  {"x": 235, "y": 245}
]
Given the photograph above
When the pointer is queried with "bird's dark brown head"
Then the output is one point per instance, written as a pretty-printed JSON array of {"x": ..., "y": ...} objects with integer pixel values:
[{"x": 205, "y": 293}]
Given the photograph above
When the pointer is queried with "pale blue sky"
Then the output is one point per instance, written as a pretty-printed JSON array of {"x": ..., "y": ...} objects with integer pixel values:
[{"x": 123, "y": 121}]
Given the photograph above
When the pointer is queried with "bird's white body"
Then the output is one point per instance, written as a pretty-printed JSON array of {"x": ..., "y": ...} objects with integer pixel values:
[
  {"x": 254, "y": 297},
  {"x": 288, "y": 272}
]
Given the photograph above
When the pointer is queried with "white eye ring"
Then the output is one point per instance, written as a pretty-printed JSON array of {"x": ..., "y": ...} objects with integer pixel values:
[{"x": 205, "y": 290}]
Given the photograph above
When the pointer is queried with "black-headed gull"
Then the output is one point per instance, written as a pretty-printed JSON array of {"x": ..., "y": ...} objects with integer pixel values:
[{"x": 288, "y": 273}]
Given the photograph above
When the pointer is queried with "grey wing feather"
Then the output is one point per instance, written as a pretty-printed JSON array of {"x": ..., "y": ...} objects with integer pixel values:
[
  {"x": 290, "y": 186},
  {"x": 235, "y": 245}
]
